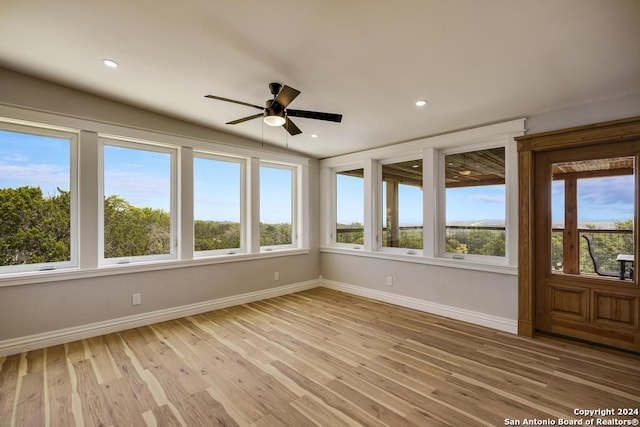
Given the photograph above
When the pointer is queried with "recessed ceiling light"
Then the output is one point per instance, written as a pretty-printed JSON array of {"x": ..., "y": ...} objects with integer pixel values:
[
  {"x": 465, "y": 172},
  {"x": 313, "y": 135},
  {"x": 421, "y": 103},
  {"x": 110, "y": 63},
  {"x": 415, "y": 166}
]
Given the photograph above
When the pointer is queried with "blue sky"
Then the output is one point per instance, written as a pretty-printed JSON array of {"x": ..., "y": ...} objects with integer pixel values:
[
  {"x": 142, "y": 178},
  {"x": 34, "y": 161},
  {"x": 599, "y": 199}
]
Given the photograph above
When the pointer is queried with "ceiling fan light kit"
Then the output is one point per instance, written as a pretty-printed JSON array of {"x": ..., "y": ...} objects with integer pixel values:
[{"x": 275, "y": 112}]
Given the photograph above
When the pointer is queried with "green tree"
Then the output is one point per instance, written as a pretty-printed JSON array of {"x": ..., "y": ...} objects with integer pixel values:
[
  {"x": 132, "y": 231},
  {"x": 34, "y": 229}
]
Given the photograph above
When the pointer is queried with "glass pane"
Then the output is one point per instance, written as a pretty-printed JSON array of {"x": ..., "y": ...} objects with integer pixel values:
[
  {"x": 276, "y": 206},
  {"x": 217, "y": 204},
  {"x": 137, "y": 201},
  {"x": 350, "y": 207},
  {"x": 475, "y": 202},
  {"x": 557, "y": 224},
  {"x": 402, "y": 205},
  {"x": 35, "y": 199},
  {"x": 602, "y": 218}
]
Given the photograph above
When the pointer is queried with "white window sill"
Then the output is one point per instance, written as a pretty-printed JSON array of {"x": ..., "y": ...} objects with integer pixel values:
[
  {"x": 31, "y": 277},
  {"x": 465, "y": 264}
]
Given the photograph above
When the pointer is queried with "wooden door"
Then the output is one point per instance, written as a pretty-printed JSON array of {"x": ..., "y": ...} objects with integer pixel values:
[{"x": 587, "y": 191}]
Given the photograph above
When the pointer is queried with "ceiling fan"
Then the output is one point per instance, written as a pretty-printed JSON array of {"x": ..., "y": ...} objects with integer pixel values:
[{"x": 275, "y": 111}]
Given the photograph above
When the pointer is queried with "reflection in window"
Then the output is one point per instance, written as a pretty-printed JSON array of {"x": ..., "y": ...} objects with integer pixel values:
[
  {"x": 137, "y": 201},
  {"x": 402, "y": 202},
  {"x": 35, "y": 199},
  {"x": 217, "y": 199},
  {"x": 276, "y": 205},
  {"x": 475, "y": 202},
  {"x": 350, "y": 207}
]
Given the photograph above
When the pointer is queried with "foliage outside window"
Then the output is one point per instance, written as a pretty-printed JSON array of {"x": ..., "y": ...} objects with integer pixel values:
[
  {"x": 217, "y": 204},
  {"x": 598, "y": 196},
  {"x": 350, "y": 207},
  {"x": 402, "y": 202},
  {"x": 138, "y": 199},
  {"x": 36, "y": 203},
  {"x": 277, "y": 205},
  {"x": 475, "y": 202}
]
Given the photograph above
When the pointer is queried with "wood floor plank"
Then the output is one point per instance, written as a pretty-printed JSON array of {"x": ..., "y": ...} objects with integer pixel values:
[
  {"x": 317, "y": 357},
  {"x": 8, "y": 387},
  {"x": 59, "y": 387}
]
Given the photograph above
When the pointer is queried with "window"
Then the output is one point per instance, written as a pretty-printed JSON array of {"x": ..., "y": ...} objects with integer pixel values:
[
  {"x": 37, "y": 199},
  {"x": 402, "y": 202},
  {"x": 139, "y": 202},
  {"x": 218, "y": 188},
  {"x": 475, "y": 202},
  {"x": 277, "y": 205},
  {"x": 592, "y": 209},
  {"x": 350, "y": 207}
]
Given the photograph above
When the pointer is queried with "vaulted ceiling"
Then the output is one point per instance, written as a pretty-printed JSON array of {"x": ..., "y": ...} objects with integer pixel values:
[{"x": 474, "y": 61}]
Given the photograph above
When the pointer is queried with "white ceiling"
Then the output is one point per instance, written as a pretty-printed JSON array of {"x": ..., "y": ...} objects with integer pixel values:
[{"x": 475, "y": 61}]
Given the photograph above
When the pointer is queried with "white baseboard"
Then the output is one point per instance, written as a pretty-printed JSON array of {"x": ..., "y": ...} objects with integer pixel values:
[
  {"x": 61, "y": 336},
  {"x": 477, "y": 318}
]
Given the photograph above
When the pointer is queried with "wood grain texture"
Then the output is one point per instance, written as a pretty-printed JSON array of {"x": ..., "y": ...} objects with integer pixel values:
[{"x": 318, "y": 357}]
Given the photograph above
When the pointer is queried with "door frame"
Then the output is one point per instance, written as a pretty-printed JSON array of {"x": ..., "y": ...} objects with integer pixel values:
[{"x": 528, "y": 146}]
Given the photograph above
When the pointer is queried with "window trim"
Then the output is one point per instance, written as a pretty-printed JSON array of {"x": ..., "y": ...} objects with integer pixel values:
[
  {"x": 442, "y": 203},
  {"x": 37, "y": 129},
  {"x": 430, "y": 148},
  {"x": 150, "y": 146},
  {"x": 295, "y": 205},
  {"x": 244, "y": 241},
  {"x": 334, "y": 205},
  {"x": 88, "y": 183},
  {"x": 380, "y": 208}
]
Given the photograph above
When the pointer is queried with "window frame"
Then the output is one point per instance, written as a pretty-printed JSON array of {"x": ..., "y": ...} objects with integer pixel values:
[
  {"x": 243, "y": 204},
  {"x": 37, "y": 129},
  {"x": 334, "y": 205},
  {"x": 380, "y": 214},
  {"x": 430, "y": 148},
  {"x": 441, "y": 213},
  {"x": 295, "y": 208},
  {"x": 142, "y": 145}
]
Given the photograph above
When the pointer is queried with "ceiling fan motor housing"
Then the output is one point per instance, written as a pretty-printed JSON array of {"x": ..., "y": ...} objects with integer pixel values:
[{"x": 275, "y": 88}]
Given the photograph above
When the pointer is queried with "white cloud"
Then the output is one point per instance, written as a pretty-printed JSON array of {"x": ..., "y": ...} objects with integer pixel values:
[
  {"x": 45, "y": 176},
  {"x": 486, "y": 198}
]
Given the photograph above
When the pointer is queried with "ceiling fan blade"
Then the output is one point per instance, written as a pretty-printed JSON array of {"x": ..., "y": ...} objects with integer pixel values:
[
  {"x": 219, "y": 98},
  {"x": 329, "y": 117},
  {"x": 291, "y": 127},
  {"x": 286, "y": 95},
  {"x": 244, "y": 119}
]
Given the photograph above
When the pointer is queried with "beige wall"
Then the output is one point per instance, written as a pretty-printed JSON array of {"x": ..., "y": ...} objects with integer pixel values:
[{"x": 28, "y": 309}]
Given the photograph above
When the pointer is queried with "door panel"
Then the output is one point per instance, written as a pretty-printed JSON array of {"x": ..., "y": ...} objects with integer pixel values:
[{"x": 579, "y": 291}]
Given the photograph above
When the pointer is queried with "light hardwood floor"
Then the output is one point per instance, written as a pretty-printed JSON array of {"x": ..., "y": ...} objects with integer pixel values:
[{"x": 318, "y": 357}]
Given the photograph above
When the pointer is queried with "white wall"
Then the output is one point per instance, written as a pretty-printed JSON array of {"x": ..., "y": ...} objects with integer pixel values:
[{"x": 37, "y": 308}]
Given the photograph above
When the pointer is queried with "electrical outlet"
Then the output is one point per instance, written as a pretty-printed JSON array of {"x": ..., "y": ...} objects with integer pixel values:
[
  {"x": 276, "y": 275},
  {"x": 136, "y": 299},
  {"x": 389, "y": 280}
]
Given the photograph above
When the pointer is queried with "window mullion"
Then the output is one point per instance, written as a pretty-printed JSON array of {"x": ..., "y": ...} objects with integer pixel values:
[
  {"x": 253, "y": 206},
  {"x": 433, "y": 188},
  {"x": 89, "y": 185},
  {"x": 185, "y": 232}
]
